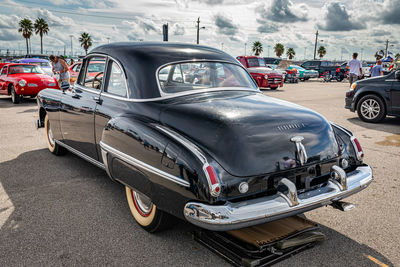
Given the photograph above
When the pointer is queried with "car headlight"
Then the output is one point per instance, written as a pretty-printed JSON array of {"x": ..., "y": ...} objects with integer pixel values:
[
  {"x": 353, "y": 86},
  {"x": 22, "y": 83},
  {"x": 266, "y": 76}
]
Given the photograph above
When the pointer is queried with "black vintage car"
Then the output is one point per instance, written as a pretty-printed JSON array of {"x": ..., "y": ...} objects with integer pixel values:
[
  {"x": 187, "y": 132},
  {"x": 376, "y": 97}
]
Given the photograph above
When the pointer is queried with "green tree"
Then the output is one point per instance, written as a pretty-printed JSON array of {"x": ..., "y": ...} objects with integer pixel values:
[
  {"x": 257, "y": 48},
  {"x": 397, "y": 56},
  {"x": 86, "y": 41},
  {"x": 41, "y": 28},
  {"x": 279, "y": 49},
  {"x": 290, "y": 53},
  {"x": 321, "y": 51},
  {"x": 26, "y": 28}
]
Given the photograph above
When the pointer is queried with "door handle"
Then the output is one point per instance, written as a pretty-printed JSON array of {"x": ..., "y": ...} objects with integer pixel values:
[{"x": 97, "y": 99}]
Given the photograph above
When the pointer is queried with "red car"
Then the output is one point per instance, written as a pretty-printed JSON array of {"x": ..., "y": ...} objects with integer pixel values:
[
  {"x": 95, "y": 67},
  {"x": 18, "y": 80},
  {"x": 264, "y": 76}
]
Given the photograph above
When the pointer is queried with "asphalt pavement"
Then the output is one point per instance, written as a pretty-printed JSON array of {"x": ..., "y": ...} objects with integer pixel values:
[{"x": 64, "y": 211}]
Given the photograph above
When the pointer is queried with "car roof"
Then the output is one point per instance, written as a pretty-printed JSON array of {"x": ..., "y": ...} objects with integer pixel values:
[
  {"x": 23, "y": 60},
  {"x": 141, "y": 60}
]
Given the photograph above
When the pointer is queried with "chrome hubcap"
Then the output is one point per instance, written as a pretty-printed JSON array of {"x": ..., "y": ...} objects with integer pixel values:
[
  {"x": 370, "y": 109},
  {"x": 143, "y": 203}
]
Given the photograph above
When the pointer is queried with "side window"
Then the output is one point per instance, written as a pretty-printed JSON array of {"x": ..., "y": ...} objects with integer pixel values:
[
  {"x": 4, "y": 71},
  {"x": 324, "y": 64},
  {"x": 306, "y": 64},
  {"x": 93, "y": 76},
  {"x": 117, "y": 82}
]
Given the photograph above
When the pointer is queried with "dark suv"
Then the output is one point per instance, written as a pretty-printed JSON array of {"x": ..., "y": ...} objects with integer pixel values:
[
  {"x": 376, "y": 97},
  {"x": 321, "y": 66}
]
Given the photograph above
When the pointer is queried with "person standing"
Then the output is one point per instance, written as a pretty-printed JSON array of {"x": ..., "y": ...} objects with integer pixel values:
[
  {"x": 355, "y": 67},
  {"x": 377, "y": 70},
  {"x": 60, "y": 67}
]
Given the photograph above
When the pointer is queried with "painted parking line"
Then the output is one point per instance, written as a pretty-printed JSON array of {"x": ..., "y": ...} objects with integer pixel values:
[{"x": 377, "y": 261}]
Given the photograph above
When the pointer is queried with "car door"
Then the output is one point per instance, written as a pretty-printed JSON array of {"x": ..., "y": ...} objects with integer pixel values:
[
  {"x": 395, "y": 94},
  {"x": 3, "y": 77},
  {"x": 78, "y": 106},
  {"x": 113, "y": 100}
]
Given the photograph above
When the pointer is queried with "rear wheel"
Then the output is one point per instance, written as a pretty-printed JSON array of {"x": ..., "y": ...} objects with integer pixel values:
[
  {"x": 15, "y": 98},
  {"x": 146, "y": 214},
  {"x": 51, "y": 143},
  {"x": 371, "y": 108}
]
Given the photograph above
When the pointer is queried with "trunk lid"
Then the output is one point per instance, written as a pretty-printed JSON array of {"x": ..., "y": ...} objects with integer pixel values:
[{"x": 249, "y": 133}]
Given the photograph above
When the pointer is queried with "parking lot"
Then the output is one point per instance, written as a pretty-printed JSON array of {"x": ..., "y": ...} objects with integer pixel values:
[{"x": 65, "y": 211}]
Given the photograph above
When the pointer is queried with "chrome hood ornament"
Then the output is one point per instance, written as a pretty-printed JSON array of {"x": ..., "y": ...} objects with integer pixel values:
[{"x": 301, "y": 153}]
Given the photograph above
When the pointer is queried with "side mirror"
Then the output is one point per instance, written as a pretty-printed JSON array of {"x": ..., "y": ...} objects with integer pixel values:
[{"x": 397, "y": 75}]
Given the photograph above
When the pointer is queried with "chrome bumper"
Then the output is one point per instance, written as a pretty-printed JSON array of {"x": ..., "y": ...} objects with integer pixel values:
[{"x": 256, "y": 211}]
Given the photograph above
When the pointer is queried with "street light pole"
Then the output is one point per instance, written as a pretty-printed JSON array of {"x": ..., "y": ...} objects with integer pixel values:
[
  {"x": 108, "y": 39},
  {"x": 245, "y": 49},
  {"x": 72, "y": 52},
  {"x": 315, "y": 46},
  {"x": 386, "y": 50}
]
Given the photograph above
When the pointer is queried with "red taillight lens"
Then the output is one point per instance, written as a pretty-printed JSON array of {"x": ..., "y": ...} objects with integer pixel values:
[
  {"x": 357, "y": 147},
  {"x": 212, "y": 180}
]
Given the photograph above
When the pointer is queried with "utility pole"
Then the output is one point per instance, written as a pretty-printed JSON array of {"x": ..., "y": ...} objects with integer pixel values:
[
  {"x": 305, "y": 53},
  {"x": 198, "y": 29},
  {"x": 165, "y": 33},
  {"x": 316, "y": 41},
  {"x": 386, "y": 50},
  {"x": 108, "y": 39},
  {"x": 245, "y": 50},
  {"x": 72, "y": 52}
]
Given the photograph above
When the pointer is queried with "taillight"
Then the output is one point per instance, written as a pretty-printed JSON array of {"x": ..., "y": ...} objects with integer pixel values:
[
  {"x": 357, "y": 148},
  {"x": 212, "y": 179}
]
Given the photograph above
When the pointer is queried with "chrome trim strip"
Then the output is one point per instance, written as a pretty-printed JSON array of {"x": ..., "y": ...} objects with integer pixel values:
[
  {"x": 182, "y": 140},
  {"x": 140, "y": 164},
  {"x": 82, "y": 155},
  {"x": 342, "y": 128},
  {"x": 86, "y": 89},
  {"x": 256, "y": 211}
]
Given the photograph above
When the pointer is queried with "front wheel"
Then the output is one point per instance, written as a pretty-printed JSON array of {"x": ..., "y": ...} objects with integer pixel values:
[
  {"x": 15, "y": 98},
  {"x": 54, "y": 148},
  {"x": 371, "y": 108},
  {"x": 146, "y": 214}
]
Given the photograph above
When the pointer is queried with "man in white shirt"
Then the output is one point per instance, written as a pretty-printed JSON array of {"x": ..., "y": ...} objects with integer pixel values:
[{"x": 355, "y": 69}]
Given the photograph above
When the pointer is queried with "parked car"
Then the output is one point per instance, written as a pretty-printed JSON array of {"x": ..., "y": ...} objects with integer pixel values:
[
  {"x": 19, "y": 80},
  {"x": 304, "y": 74},
  {"x": 272, "y": 62},
  {"x": 43, "y": 63},
  {"x": 375, "y": 98},
  {"x": 264, "y": 76},
  {"x": 96, "y": 68},
  {"x": 322, "y": 66},
  {"x": 213, "y": 150}
]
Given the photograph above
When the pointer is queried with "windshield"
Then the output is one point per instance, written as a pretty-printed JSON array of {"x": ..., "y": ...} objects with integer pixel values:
[
  {"x": 296, "y": 67},
  {"x": 15, "y": 69},
  {"x": 189, "y": 76},
  {"x": 255, "y": 62}
]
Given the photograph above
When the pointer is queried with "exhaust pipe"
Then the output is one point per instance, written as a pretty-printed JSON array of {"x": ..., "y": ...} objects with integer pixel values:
[{"x": 343, "y": 206}]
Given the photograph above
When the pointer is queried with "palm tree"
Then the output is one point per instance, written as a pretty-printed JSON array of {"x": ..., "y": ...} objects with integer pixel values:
[
  {"x": 41, "y": 27},
  {"x": 290, "y": 53},
  {"x": 26, "y": 27},
  {"x": 279, "y": 49},
  {"x": 257, "y": 48},
  {"x": 397, "y": 56},
  {"x": 86, "y": 41},
  {"x": 321, "y": 51}
]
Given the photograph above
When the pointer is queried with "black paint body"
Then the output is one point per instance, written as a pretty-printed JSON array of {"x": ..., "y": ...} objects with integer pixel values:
[{"x": 244, "y": 134}]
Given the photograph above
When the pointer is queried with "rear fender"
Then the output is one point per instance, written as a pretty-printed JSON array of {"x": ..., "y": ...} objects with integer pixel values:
[{"x": 141, "y": 156}]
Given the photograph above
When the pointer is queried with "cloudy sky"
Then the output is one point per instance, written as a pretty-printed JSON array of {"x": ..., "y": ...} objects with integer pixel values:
[{"x": 345, "y": 26}]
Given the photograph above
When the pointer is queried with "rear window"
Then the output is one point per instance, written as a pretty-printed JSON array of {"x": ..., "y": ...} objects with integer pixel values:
[{"x": 181, "y": 77}]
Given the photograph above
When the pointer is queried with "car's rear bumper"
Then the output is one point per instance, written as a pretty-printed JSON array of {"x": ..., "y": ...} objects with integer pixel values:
[{"x": 252, "y": 212}]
